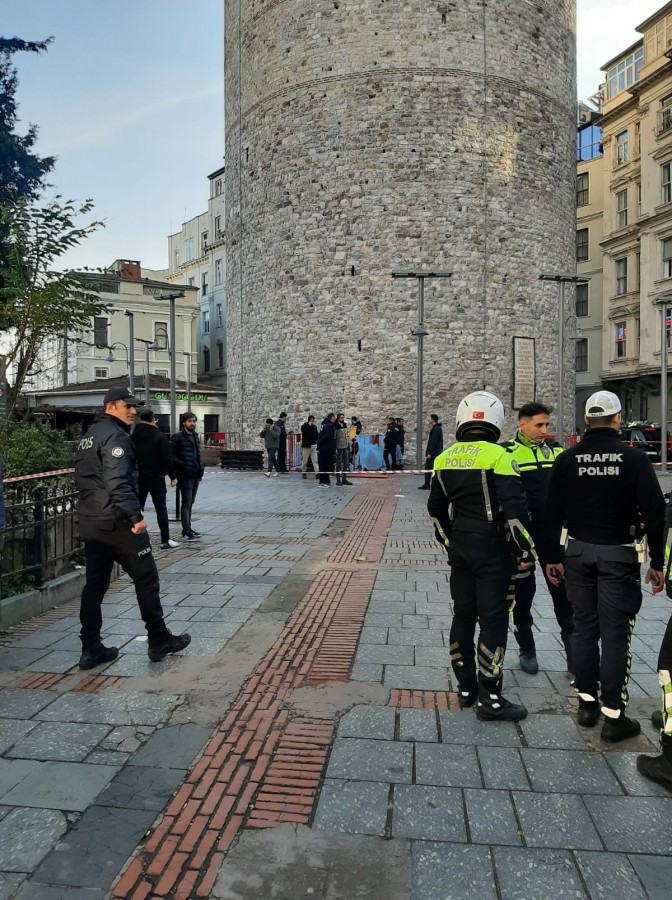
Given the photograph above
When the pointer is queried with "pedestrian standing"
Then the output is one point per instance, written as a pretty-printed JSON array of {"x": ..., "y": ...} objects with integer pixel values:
[
  {"x": 270, "y": 434},
  {"x": 353, "y": 432},
  {"x": 477, "y": 504},
  {"x": 401, "y": 443},
  {"x": 326, "y": 449},
  {"x": 534, "y": 454},
  {"x": 433, "y": 449},
  {"x": 189, "y": 468},
  {"x": 342, "y": 450},
  {"x": 155, "y": 461},
  {"x": 113, "y": 529},
  {"x": 309, "y": 445},
  {"x": 390, "y": 444},
  {"x": 601, "y": 491},
  {"x": 282, "y": 446}
]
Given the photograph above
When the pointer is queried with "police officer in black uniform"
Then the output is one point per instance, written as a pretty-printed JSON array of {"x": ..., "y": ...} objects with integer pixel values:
[
  {"x": 478, "y": 507},
  {"x": 601, "y": 491},
  {"x": 113, "y": 530}
]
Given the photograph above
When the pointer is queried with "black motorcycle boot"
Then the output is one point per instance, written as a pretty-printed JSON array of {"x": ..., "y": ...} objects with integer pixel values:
[
  {"x": 492, "y": 707},
  {"x": 174, "y": 643},
  {"x": 658, "y": 768},
  {"x": 527, "y": 652},
  {"x": 657, "y": 719},
  {"x": 589, "y": 713},
  {"x": 338, "y": 480},
  {"x": 465, "y": 676},
  {"x": 96, "y": 655},
  {"x": 620, "y": 729}
]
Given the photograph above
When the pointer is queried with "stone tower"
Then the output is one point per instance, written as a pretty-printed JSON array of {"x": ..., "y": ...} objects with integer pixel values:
[{"x": 364, "y": 136}]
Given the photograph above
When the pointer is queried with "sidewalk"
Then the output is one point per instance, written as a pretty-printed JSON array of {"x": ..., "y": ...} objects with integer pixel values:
[{"x": 308, "y": 743}]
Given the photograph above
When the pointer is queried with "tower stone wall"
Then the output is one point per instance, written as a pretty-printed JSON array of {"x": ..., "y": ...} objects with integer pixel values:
[{"x": 364, "y": 136}]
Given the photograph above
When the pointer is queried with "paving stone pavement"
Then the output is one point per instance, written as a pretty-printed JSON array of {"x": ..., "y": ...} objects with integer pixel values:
[{"x": 178, "y": 776}]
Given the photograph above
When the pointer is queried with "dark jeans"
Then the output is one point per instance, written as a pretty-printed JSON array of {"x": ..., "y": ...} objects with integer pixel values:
[
  {"x": 272, "y": 453},
  {"x": 105, "y": 544},
  {"x": 481, "y": 567},
  {"x": 325, "y": 463},
  {"x": 525, "y": 589},
  {"x": 604, "y": 588},
  {"x": 155, "y": 486},
  {"x": 282, "y": 454},
  {"x": 188, "y": 488},
  {"x": 342, "y": 461}
]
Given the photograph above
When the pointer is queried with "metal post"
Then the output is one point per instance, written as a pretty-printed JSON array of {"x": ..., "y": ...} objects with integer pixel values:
[
  {"x": 131, "y": 351},
  {"x": 187, "y": 359},
  {"x": 560, "y": 436},
  {"x": 663, "y": 383},
  {"x": 173, "y": 351},
  {"x": 147, "y": 373},
  {"x": 420, "y": 334}
]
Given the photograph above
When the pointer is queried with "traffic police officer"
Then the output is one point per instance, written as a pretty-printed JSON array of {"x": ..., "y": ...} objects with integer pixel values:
[
  {"x": 478, "y": 507},
  {"x": 601, "y": 490},
  {"x": 113, "y": 530},
  {"x": 535, "y": 454}
]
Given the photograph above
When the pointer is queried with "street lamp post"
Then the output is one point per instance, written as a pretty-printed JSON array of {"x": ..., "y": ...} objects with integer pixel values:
[
  {"x": 110, "y": 356},
  {"x": 420, "y": 332},
  {"x": 172, "y": 296},
  {"x": 187, "y": 365},
  {"x": 131, "y": 357},
  {"x": 561, "y": 281},
  {"x": 149, "y": 345},
  {"x": 662, "y": 303}
]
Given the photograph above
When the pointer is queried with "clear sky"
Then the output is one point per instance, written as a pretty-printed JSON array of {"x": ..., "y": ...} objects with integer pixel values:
[{"x": 130, "y": 98}]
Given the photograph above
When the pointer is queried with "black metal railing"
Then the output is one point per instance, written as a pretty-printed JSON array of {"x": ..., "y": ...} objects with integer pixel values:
[{"x": 41, "y": 535}]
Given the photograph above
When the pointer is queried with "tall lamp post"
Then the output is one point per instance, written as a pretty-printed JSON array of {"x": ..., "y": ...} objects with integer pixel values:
[
  {"x": 561, "y": 281},
  {"x": 110, "y": 357},
  {"x": 663, "y": 304},
  {"x": 149, "y": 345},
  {"x": 420, "y": 332},
  {"x": 131, "y": 355},
  {"x": 187, "y": 366},
  {"x": 172, "y": 296}
]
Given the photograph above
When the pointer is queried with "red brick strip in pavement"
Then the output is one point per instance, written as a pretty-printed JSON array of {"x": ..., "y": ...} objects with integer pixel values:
[
  {"x": 37, "y": 681},
  {"x": 91, "y": 684},
  {"x": 436, "y": 700}
]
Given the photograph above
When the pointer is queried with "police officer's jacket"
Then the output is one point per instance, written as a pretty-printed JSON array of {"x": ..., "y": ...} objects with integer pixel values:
[
  {"x": 475, "y": 488},
  {"x": 602, "y": 490},
  {"x": 534, "y": 462},
  {"x": 106, "y": 474}
]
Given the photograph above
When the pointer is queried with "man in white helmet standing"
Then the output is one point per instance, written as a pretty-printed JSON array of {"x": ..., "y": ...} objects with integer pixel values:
[
  {"x": 478, "y": 507},
  {"x": 603, "y": 496}
]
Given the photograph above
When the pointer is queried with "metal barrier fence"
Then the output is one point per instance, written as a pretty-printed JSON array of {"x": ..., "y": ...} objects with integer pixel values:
[
  {"x": 223, "y": 440},
  {"x": 41, "y": 535}
]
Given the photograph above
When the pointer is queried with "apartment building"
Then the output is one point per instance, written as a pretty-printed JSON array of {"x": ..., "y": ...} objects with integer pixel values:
[
  {"x": 196, "y": 257},
  {"x": 633, "y": 231}
]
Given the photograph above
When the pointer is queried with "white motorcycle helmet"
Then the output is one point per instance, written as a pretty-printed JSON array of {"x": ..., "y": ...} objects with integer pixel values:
[{"x": 480, "y": 410}]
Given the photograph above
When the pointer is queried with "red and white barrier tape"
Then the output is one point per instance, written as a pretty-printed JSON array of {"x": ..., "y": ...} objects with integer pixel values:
[{"x": 38, "y": 475}]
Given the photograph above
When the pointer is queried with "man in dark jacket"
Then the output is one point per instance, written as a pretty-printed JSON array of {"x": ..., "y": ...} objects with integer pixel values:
[
  {"x": 599, "y": 493},
  {"x": 155, "y": 461},
  {"x": 282, "y": 446},
  {"x": 434, "y": 447},
  {"x": 390, "y": 444},
  {"x": 308, "y": 445},
  {"x": 326, "y": 449},
  {"x": 187, "y": 459},
  {"x": 113, "y": 530}
]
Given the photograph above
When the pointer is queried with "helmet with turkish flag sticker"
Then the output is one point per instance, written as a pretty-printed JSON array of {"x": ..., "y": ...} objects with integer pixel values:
[{"x": 480, "y": 410}]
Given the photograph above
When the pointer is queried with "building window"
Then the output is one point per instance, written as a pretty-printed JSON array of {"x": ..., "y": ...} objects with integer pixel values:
[
  {"x": 638, "y": 271},
  {"x": 667, "y": 257},
  {"x": 637, "y": 147},
  {"x": 621, "y": 209},
  {"x": 204, "y": 241},
  {"x": 162, "y": 373},
  {"x": 176, "y": 258},
  {"x": 220, "y": 315},
  {"x": 621, "y": 335},
  {"x": 204, "y": 284},
  {"x": 161, "y": 334},
  {"x": 665, "y": 114},
  {"x": 638, "y": 334},
  {"x": 622, "y": 276},
  {"x": 218, "y": 187},
  {"x": 638, "y": 195},
  {"x": 188, "y": 249},
  {"x": 582, "y": 189},
  {"x": 218, "y": 226},
  {"x": 100, "y": 325},
  {"x": 582, "y": 245},
  {"x": 666, "y": 183},
  {"x": 582, "y": 355},
  {"x": 206, "y": 359},
  {"x": 192, "y": 281},
  {"x": 219, "y": 271},
  {"x": 581, "y": 300},
  {"x": 205, "y": 317},
  {"x": 622, "y": 148},
  {"x": 100, "y": 372},
  {"x": 220, "y": 355},
  {"x": 625, "y": 72}
]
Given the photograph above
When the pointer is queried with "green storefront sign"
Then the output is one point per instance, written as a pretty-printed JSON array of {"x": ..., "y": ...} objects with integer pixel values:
[{"x": 181, "y": 395}]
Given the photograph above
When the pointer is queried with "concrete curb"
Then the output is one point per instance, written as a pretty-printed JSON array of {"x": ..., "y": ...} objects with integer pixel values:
[{"x": 17, "y": 609}]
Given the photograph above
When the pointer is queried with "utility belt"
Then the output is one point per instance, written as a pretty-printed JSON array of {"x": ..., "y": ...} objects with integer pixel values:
[
  {"x": 477, "y": 526},
  {"x": 637, "y": 544}
]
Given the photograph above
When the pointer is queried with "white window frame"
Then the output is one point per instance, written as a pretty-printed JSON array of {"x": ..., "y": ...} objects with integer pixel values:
[
  {"x": 622, "y": 148},
  {"x": 582, "y": 299},
  {"x": 188, "y": 249},
  {"x": 161, "y": 334},
  {"x": 622, "y": 209},
  {"x": 582, "y": 193},
  {"x": 104, "y": 373},
  {"x": 666, "y": 257},
  {"x": 220, "y": 315},
  {"x": 582, "y": 343},
  {"x": 218, "y": 187},
  {"x": 620, "y": 340},
  {"x": 219, "y": 271},
  {"x": 206, "y": 359},
  {"x": 638, "y": 199},
  {"x": 666, "y": 183},
  {"x": 587, "y": 245},
  {"x": 100, "y": 328},
  {"x": 205, "y": 284},
  {"x": 205, "y": 319},
  {"x": 621, "y": 276},
  {"x": 161, "y": 373},
  {"x": 220, "y": 355},
  {"x": 218, "y": 226}
]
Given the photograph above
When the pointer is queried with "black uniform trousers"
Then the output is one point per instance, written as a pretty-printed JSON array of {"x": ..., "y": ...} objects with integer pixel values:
[
  {"x": 326, "y": 460},
  {"x": 481, "y": 567},
  {"x": 665, "y": 676},
  {"x": 604, "y": 588},
  {"x": 525, "y": 589},
  {"x": 104, "y": 544},
  {"x": 155, "y": 486},
  {"x": 429, "y": 464}
]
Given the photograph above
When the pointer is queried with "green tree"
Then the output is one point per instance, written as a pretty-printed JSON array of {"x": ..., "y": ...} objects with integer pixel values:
[
  {"x": 32, "y": 447},
  {"x": 38, "y": 300},
  {"x": 22, "y": 171}
]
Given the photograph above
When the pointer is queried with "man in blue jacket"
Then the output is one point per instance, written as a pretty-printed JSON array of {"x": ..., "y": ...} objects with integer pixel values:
[{"x": 434, "y": 447}]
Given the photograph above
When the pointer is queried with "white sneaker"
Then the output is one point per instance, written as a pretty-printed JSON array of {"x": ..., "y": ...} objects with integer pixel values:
[
  {"x": 169, "y": 544},
  {"x": 275, "y": 474},
  {"x": 267, "y": 474}
]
